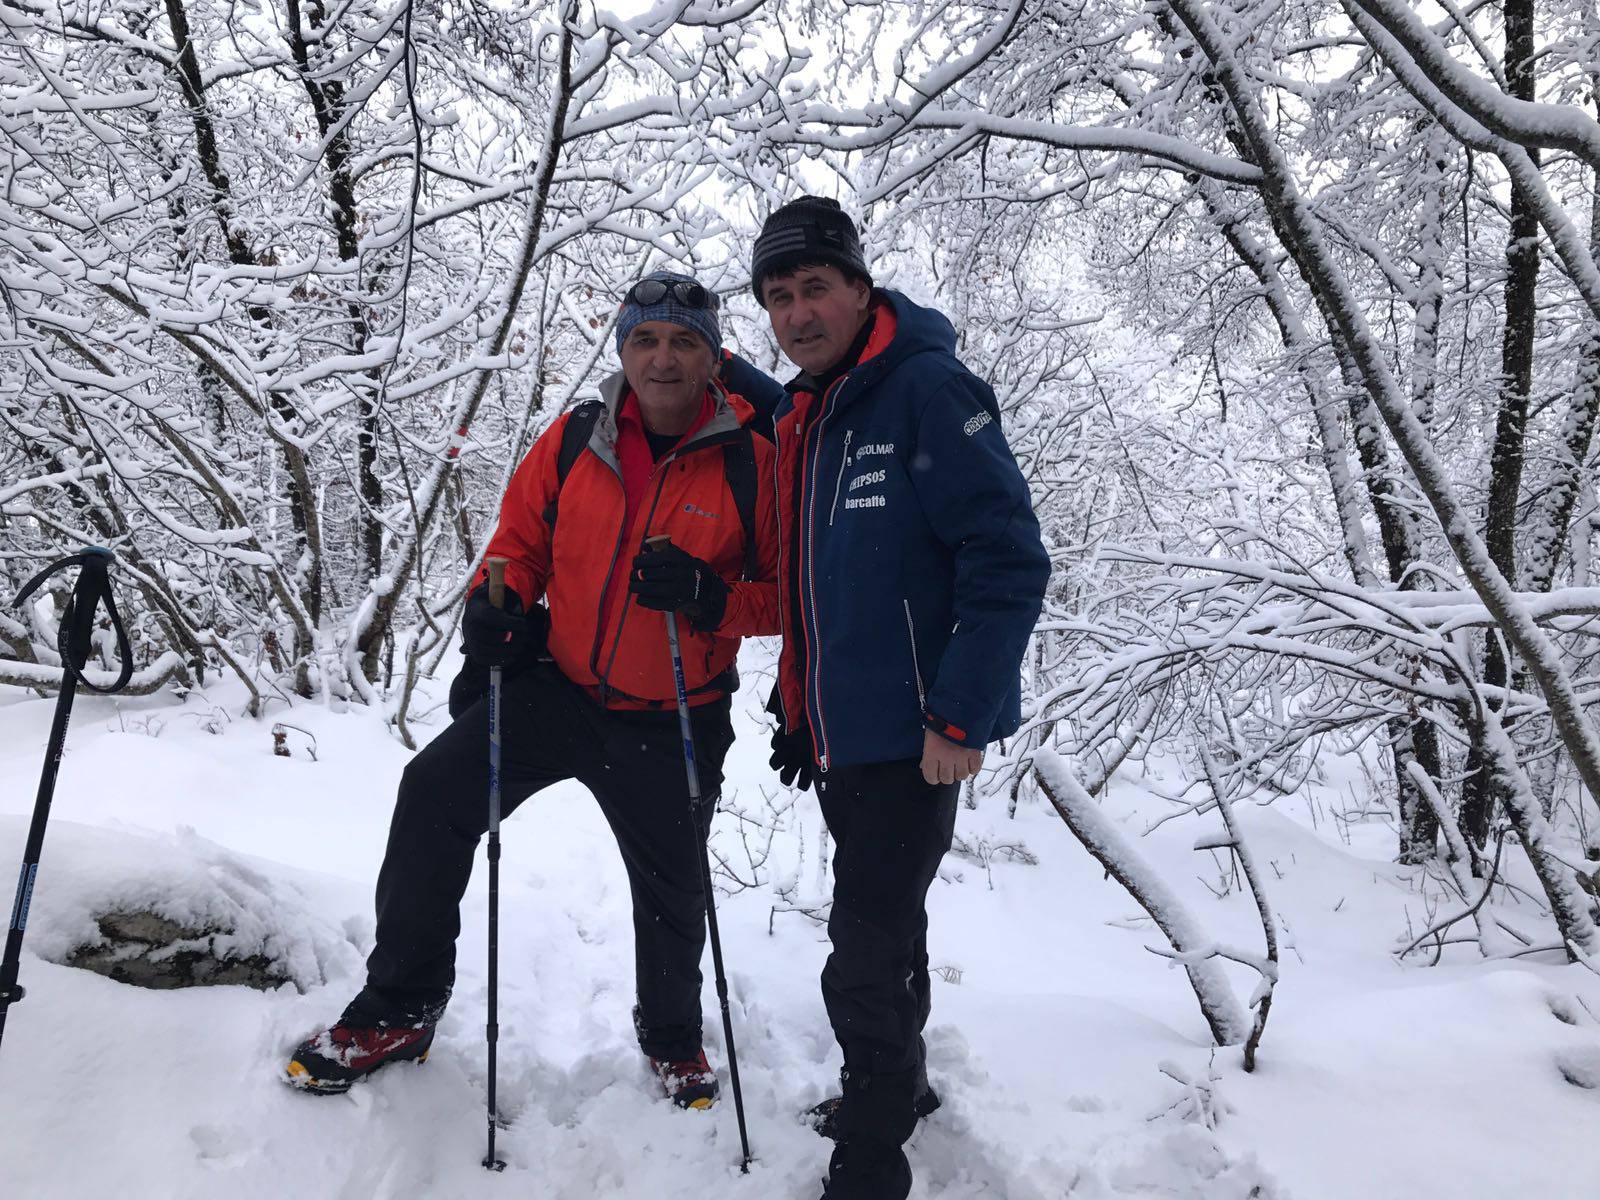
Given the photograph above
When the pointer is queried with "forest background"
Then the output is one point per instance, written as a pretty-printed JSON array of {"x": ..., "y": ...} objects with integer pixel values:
[{"x": 1292, "y": 308}]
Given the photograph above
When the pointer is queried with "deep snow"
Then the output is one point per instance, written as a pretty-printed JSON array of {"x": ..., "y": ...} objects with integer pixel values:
[{"x": 1055, "y": 1046}]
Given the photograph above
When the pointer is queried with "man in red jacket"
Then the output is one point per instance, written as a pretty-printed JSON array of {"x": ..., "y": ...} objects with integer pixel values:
[{"x": 589, "y": 691}]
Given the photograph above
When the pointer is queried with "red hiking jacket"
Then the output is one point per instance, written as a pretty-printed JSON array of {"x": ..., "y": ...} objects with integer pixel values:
[{"x": 600, "y": 637}]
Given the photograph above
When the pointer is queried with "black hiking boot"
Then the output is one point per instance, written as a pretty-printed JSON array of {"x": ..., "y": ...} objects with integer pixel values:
[{"x": 824, "y": 1117}]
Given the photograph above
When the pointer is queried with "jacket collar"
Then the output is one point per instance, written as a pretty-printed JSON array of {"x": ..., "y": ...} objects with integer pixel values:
[
  {"x": 902, "y": 328},
  {"x": 728, "y": 413},
  {"x": 858, "y": 352}
]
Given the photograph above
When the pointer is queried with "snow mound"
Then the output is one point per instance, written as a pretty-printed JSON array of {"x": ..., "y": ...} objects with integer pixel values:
[{"x": 107, "y": 897}]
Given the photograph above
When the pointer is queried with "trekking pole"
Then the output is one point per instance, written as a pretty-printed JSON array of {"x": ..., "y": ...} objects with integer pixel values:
[
  {"x": 660, "y": 542},
  {"x": 497, "y": 597},
  {"x": 77, "y": 624}
]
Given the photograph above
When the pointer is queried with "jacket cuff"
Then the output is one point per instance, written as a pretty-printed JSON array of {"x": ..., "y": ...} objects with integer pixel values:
[{"x": 950, "y": 733}]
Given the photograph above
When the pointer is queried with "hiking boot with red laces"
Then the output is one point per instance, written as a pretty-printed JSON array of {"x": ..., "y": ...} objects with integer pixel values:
[
  {"x": 329, "y": 1062},
  {"x": 690, "y": 1083}
]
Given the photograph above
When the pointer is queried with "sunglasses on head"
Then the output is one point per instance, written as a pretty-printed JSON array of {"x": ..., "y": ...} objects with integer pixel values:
[{"x": 653, "y": 291}]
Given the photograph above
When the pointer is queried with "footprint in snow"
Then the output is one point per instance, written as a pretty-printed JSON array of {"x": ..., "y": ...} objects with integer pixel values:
[
  {"x": 1569, "y": 1010},
  {"x": 1580, "y": 1066},
  {"x": 219, "y": 1148}
]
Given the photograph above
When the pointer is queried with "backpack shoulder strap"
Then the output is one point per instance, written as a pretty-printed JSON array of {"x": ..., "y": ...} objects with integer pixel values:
[
  {"x": 739, "y": 466},
  {"x": 574, "y": 437}
]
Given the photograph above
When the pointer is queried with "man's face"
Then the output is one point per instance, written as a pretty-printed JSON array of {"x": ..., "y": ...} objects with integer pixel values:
[
  {"x": 667, "y": 367},
  {"x": 816, "y": 313}
]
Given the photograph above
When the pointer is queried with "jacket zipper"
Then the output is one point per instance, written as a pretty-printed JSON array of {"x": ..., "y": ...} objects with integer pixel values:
[
  {"x": 602, "y": 680},
  {"x": 844, "y": 462},
  {"x": 814, "y": 640},
  {"x": 783, "y": 586},
  {"x": 916, "y": 667},
  {"x": 605, "y": 589}
]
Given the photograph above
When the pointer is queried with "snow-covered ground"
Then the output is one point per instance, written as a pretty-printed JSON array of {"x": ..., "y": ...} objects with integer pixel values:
[{"x": 1054, "y": 1040}]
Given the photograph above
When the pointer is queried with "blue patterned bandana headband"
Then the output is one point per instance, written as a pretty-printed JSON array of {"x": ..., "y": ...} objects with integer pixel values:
[{"x": 673, "y": 307}]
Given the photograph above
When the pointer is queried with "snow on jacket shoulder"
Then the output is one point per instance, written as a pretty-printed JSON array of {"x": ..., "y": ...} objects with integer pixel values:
[
  {"x": 921, "y": 569},
  {"x": 600, "y": 637}
]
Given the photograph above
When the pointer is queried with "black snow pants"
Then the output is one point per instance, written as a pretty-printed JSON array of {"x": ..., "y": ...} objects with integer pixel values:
[
  {"x": 552, "y": 730},
  {"x": 890, "y": 829}
]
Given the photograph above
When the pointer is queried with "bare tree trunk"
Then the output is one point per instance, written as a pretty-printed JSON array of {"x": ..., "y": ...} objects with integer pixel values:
[
  {"x": 1310, "y": 250},
  {"x": 1101, "y": 837},
  {"x": 432, "y": 492},
  {"x": 1552, "y": 515},
  {"x": 1550, "y": 525},
  {"x": 1478, "y": 801},
  {"x": 1430, "y": 275},
  {"x": 328, "y": 104},
  {"x": 1335, "y": 452},
  {"x": 302, "y": 497},
  {"x": 1415, "y": 740}
]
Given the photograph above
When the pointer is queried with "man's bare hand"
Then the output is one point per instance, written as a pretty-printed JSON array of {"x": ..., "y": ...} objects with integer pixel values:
[{"x": 945, "y": 762}]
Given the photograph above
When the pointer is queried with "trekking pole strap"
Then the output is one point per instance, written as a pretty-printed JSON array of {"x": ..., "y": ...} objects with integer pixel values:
[{"x": 92, "y": 588}]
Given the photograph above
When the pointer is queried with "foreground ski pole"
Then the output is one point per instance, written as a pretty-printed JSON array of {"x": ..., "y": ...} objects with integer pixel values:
[
  {"x": 497, "y": 597},
  {"x": 657, "y": 543},
  {"x": 77, "y": 624}
]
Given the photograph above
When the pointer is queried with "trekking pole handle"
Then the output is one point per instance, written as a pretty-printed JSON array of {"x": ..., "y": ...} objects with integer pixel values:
[
  {"x": 91, "y": 591},
  {"x": 497, "y": 580},
  {"x": 658, "y": 541}
]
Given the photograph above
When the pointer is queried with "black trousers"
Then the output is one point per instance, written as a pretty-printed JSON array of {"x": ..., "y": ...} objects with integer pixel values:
[
  {"x": 552, "y": 730},
  {"x": 890, "y": 829}
]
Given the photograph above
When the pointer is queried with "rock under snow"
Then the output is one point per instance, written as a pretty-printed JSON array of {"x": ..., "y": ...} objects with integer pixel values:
[
  {"x": 149, "y": 950},
  {"x": 177, "y": 911}
]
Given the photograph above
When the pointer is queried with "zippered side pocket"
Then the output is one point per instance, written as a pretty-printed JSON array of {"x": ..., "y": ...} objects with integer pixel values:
[{"x": 916, "y": 667}]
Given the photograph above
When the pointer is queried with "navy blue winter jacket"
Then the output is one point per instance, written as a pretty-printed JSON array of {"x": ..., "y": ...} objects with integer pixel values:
[{"x": 920, "y": 567}]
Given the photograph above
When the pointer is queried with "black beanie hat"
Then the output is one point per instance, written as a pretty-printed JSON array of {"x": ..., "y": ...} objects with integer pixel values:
[{"x": 812, "y": 229}]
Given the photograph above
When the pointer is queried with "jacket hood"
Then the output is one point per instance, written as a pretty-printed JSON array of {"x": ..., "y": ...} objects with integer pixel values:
[{"x": 917, "y": 329}]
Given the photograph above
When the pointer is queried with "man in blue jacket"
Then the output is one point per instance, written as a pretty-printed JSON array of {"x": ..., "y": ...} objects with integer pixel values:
[{"x": 911, "y": 573}]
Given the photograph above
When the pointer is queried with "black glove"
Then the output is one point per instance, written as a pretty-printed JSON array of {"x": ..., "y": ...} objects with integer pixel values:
[
  {"x": 668, "y": 579},
  {"x": 791, "y": 757},
  {"x": 497, "y": 637}
]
